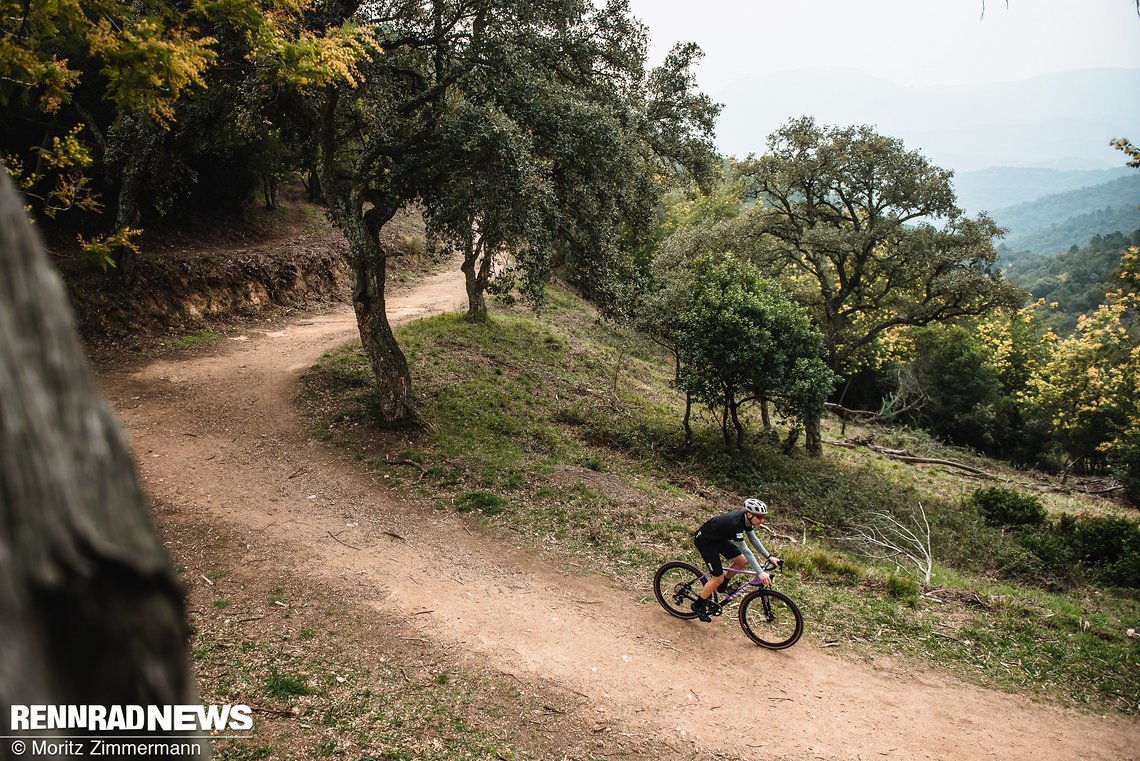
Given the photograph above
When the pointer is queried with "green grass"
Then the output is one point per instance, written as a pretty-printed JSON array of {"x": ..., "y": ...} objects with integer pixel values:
[
  {"x": 200, "y": 338},
  {"x": 286, "y": 684},
  {"x": 533, "y": 425}
]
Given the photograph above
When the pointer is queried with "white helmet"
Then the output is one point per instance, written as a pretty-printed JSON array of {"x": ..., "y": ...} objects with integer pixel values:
[{"x": 753, "y": 506}]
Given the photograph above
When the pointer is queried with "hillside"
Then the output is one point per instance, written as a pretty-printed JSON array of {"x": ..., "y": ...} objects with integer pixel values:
[
  {"x": 320, "y": 592},
  {"x": 1057, "y": 222},
  {"x": 1075, "y": 280},
  {"x": 1004, "y": 187},
  {"x": 311, "y": 545}
]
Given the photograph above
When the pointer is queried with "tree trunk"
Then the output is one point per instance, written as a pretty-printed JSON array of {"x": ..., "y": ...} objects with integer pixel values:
[
  {"x": 389, "y": 366},
  {"x": 127, "y": 215},
  {"x": 724, "y": 415},
  {"x": 476, "y": 280},
  {"x": 688, "y": 415},
  {"x": 734, "y": 408},
  {"x": 90, "y": 609},
  {"x": 813, "y": 437},
  {"x": 269, "y": 189},
  {"x": 313, "y": 186},
  {"x": 361, "y": 228}
]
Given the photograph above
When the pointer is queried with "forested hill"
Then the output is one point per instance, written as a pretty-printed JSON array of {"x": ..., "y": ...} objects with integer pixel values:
[
  {"x": 1075, "y": 280},
  {"x": 1058, "y": 222}
]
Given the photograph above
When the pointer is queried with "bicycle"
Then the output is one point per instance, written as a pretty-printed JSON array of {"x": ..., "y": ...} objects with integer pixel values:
[{"x": 769, "y": 617}]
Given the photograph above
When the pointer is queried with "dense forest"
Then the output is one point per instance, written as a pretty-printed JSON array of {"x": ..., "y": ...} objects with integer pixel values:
[
  {"x": 1073, "y": 282},
  {"x": 835, "y": 267}
]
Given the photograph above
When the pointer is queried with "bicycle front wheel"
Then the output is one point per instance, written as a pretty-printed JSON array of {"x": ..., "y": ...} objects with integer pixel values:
[
  {"x": 677, "y": 586},
  {"x": 771, "y": 619}
]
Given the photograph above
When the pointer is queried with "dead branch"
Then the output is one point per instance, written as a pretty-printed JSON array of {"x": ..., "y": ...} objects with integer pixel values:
[
  {"x": 886, "y": 538},
  {"x": 947, "y": 463},
  {"x": 786, "y": 537},
  {"x": 346, "y": 544},
  {"x": 905, "y": 456}
]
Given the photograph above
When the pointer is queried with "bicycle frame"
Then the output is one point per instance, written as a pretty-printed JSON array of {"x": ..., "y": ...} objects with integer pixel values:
[{"x": 730, "y": 573}]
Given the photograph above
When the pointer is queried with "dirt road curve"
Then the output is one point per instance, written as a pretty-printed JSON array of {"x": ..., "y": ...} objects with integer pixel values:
[{"x": 217, "y": 436}]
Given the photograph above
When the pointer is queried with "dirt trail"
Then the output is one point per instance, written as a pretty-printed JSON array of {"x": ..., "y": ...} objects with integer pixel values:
[{"x": 217, "y": 436}]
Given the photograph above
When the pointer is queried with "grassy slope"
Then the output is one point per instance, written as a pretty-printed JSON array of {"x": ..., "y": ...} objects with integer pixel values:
[{"x": 564, "y": 430}]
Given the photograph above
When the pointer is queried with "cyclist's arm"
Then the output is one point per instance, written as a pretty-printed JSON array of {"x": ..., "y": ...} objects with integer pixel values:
[
  {"x": 750, "y": 538},
  {"x": 747, "y": 550}
]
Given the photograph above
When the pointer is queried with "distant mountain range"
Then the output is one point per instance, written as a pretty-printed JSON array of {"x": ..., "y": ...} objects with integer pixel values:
[
  {"x": 1055, "y": 223},
  {"x": 1034, "y": 153},
  {"x": 1055, "y": 121},
  {"x": 1002, "y": 187}
]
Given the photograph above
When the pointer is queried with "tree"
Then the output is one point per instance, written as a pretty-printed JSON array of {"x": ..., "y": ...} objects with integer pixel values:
[
  {"x": 871, "y": 233},
  {"x": 1125, "y": 145},
  {"x": 548, "y": 78},
  {"x": 868, "y": 237},
  {"x": 740, "y": 340},
  {"x": 1090, "y": 389},
  {"x": 126, "y": 104},
  {"x": 573, "y": 165},
  {"x": 91, "y": 612},
  {"x": 961, "y": 386}
]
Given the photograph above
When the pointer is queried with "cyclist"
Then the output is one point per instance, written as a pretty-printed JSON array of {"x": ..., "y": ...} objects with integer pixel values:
[{"x": 719, "y": 536}]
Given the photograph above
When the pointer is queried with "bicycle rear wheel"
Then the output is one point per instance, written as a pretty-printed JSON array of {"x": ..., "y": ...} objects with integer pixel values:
[
  {"x": 678, "y": 585},
  {"x": 771, "y": 619}
]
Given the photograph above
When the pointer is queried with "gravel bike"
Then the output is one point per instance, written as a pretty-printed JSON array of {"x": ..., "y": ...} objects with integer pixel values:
[{"x": 769, "y": 617}]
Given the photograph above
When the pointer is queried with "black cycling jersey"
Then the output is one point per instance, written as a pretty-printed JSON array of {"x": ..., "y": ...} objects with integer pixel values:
[
  {"x": 718, "y": 536},
  {"x": 730, "y": 525}
]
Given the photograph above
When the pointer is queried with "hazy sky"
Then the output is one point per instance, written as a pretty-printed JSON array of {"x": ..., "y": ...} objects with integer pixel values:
[
  {"x": 920, "y": 70},
  {"x": 910, "y": 42}
]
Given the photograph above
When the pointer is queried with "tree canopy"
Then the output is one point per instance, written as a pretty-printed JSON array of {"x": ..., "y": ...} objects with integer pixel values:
[{"x": 868, "y": 234}]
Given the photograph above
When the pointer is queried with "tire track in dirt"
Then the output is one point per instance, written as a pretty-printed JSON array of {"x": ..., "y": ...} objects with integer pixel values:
[{"x": 217, "y": 436}]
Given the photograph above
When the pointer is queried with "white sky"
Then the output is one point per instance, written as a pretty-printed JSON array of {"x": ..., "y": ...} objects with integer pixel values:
[
  {"x": 936, "y": 59},
  {"x": 910, "y": 42}
]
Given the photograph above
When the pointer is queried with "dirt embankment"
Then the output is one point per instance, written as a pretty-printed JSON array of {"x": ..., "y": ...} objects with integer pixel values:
[{"x": 178, "y": 284}]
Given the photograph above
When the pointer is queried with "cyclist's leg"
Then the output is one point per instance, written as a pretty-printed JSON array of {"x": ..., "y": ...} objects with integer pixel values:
[
  {"x": 737, "y": 564},
  {"x": 711, "y": 555}
]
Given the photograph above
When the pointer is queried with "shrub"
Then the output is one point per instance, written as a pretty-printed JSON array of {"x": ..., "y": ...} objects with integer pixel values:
[
  {"x": 1106, "y": 548},
  {"x": 1109, "y": 545},
  {"x": 825, "y": 566},
  {"x": 903, "y": 588},
  {"x": 1003, "y": 507}
]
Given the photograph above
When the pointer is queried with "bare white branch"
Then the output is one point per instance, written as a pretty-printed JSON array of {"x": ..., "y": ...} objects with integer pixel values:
[{"x": 884, "y": 537}]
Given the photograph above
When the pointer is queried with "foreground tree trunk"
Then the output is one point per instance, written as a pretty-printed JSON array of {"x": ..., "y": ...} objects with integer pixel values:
[
  {"x": 90, "y": 609},
  {"x": 361, "y": 216}
]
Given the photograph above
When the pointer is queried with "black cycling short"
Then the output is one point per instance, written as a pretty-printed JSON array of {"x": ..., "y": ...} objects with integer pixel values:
[{"x": 711, "y": 552}]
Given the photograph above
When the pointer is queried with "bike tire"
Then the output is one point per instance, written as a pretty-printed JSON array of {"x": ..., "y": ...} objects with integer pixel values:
[
  {"x": 677, "y": 585},
  {"x": 771, "y": 619}
]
